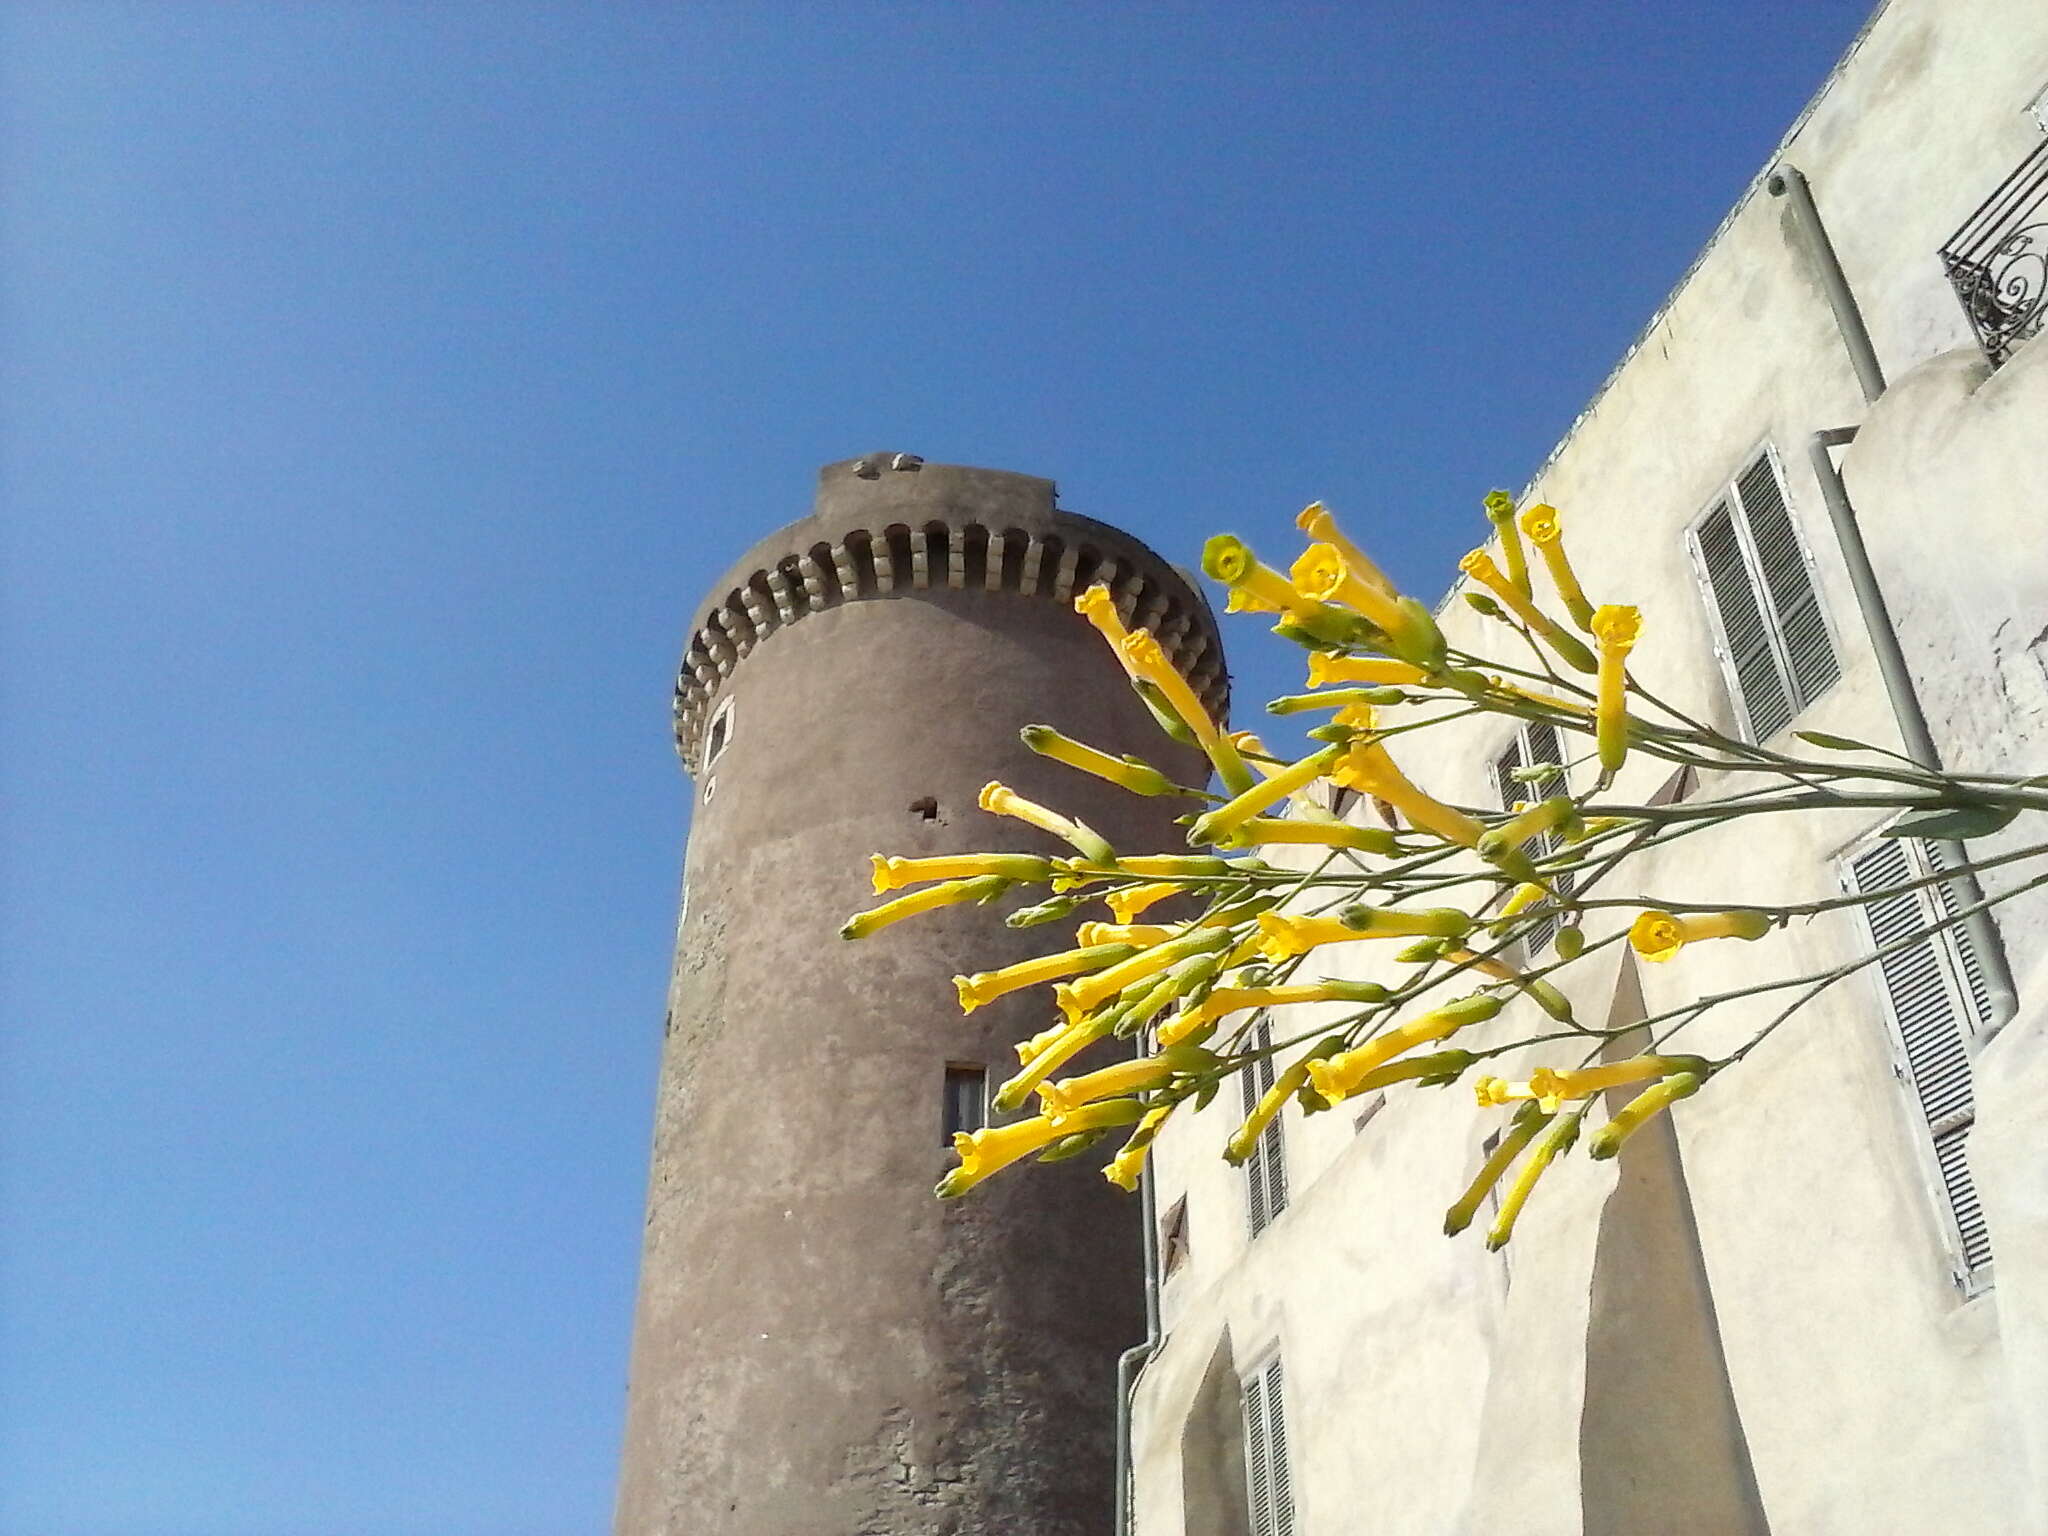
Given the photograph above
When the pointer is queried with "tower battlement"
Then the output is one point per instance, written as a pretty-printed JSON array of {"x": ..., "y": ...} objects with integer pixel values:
[{"x": 888, "y": 525}]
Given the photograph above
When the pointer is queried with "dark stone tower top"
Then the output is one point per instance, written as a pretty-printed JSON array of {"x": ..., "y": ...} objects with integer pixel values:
[{"x": 889, "y": 524}]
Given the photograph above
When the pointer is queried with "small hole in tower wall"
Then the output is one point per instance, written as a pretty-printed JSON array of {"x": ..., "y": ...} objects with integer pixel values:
[{"x": 925, "y": 809}]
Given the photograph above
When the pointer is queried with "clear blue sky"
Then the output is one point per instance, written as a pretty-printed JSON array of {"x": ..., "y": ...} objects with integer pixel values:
[{"x": 381, "y": 388}]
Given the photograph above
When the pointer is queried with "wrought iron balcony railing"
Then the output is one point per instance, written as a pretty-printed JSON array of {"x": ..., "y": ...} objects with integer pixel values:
[{"x": 1998, "y": 261}]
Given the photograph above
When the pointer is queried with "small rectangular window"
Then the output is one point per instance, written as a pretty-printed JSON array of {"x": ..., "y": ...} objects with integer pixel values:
[
  {"x": 1265, "y": 1171},
  {"x": 1770, "y": 630},
  {"x": 1935, "y": 999},
  {"x": 966, "y": 1098},
  {"x": 1267, "y": 1475}
]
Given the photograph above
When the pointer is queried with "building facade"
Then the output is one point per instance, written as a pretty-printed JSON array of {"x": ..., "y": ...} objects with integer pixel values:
[
  {"x": 821, "y": 1348},
  {"x": 1816, "y": 1301}
]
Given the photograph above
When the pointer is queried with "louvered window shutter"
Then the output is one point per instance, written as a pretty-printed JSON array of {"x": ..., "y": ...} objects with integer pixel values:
[
  {"x": 1808, "y": 652},
  {"x": 1265, "y": 1170},
  {"x": 1773, "y": 633},
  {"x": 1928, "y": 993},
  {"x": 1257, "y": 1469},
  {"x": 1265, "y": 1441},
  {"x": 1537, "y": 743},
  {"x": 1254, "y": 1171},
  {"x": 1759, "y": 681}
]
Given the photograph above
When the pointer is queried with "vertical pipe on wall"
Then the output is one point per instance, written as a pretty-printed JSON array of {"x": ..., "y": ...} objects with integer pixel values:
[
  {"x": 1786, "y": 182},
  {"x": 1905, "y": 702}
]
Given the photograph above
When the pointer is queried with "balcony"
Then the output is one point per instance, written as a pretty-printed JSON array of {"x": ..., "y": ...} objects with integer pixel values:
[{"x": 1998, "y": 261}]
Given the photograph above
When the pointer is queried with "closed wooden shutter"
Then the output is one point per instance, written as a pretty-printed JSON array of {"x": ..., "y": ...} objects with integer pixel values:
[
  {"x": 1759, "y": 681},
  {"x": 1774, "y": 636},
  {"x": 1928, "y": 996},
  {"x": 1265, "y": 1171},
  {"x": 1265, "y": 1460},
  {"x": 1809, "y": 652}
]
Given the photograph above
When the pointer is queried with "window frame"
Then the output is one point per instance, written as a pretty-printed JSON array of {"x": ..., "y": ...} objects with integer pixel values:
[
  {"x": 1728, "y": 492},
  {"x": 718, "y": 731},
  {"x": 962, "y": 1072}
]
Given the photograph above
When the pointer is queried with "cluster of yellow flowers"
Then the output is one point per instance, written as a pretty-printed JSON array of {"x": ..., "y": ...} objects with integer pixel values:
[{"x": 1181, "y": 983}]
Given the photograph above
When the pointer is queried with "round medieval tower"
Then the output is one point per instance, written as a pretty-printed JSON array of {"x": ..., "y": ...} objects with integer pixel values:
[{"x": 821, "y": 1347}]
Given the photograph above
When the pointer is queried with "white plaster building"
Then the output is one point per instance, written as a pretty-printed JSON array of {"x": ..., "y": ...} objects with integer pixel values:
[{"x": 1802, "y": 1309}]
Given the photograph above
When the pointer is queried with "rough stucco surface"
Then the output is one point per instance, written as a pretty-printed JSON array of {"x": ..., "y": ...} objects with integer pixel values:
[
  {"x": 821, "y": 1347},
  {"x": 1433, "y": 1387}
]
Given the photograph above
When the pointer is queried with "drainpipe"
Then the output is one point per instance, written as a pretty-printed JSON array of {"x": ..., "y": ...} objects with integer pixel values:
[
  {"x": 1133, "y": 1359},
  {"x": 1898, "y": 687},
  {"x": 1788, "y": 183}
]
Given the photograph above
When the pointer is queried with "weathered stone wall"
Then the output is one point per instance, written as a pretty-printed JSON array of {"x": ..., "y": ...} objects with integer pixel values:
[{"x": 821, "y": 1347}]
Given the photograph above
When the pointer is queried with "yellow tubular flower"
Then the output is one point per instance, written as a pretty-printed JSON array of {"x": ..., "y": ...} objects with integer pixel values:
[
  {"x": 1315, "y": 521},
  {"x": 1541, "y": 524},
  {"x": 987, "y": 986},
  {"x": 1323, "y": 575},
  {"x": 1394, "y": 922},
  {"x": 1129, "y": 902},
  {"x": 1224, "y": 1001},
  {"x": 1529, "y": 821},
  {"x": 1562, "y": 1133},
  {"x": 1339, "y": 1077},
  {"x": 1607, "y": 1141},
  {"x": 1126, "y": 1077},
  {"x": 1366, "y": 767},
  {"x": 1140, "y": 778},
  {"x": 1068, "y": 1042},
  {"x": 1029, "y": 1050},
  {"x": 1077, "y": 998},
  {"x": 1549, "y": 699},
  {"x": 1145, "y": 660},
  {"x": 1261, "y": 830},
  {"x": 1525, "y": 896},
  {"x": 1099, "y": 608},
  {"x": 1480, "y": 567},
  {"x": 1169, "y": 989},
  {"x": 1124, "y": 1168},
  {"x": 1231, "y": 561},
  {"x": 1324, "y": 669},
  {"x": 953, "y": 892},
  {"x": 1444, "y": 1065},
  {"x": 1586, "y": 1081},
  {"x": 994, "y": 1148},
  {"x": 1500, "y": 511},
  {"x": 1615, "y": 626},
  {"x": 1659, "y": 936},
  {"x": 891, "y": 874},
  {"x": 1246, "y": 1136},
  {"x": 1214, "y": 826},
  {"x": 1240, "y": 600},
  {"x": 1527, "y": 1122},
  {"x": 1172, "y": 866},
  {"x": 1283, "y": 936},
  {"x": 1142, "y": 934},
  {"x": 1490, "y": 1091},
  {"x": 1000, "y": 800}
]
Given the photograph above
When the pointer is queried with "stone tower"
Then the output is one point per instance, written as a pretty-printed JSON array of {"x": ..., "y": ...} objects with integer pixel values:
[{"x": 821, "y": 1347}]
